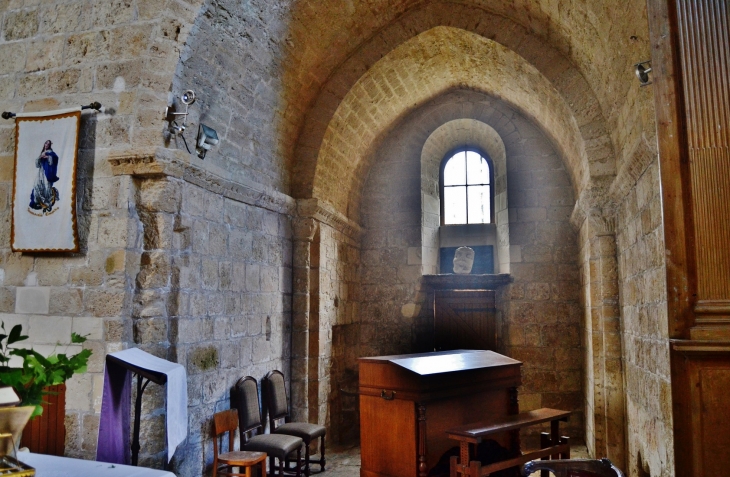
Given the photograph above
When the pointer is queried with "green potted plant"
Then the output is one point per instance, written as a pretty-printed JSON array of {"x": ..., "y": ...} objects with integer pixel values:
[{"x": 37, "y": 371}]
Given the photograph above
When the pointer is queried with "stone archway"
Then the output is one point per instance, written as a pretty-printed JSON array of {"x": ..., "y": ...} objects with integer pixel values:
[{"x": 377, "y": 101}]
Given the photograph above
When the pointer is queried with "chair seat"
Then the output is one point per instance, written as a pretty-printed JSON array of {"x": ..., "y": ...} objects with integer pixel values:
[
  {"x": 241, "y": 458},
  {"x": 303, "y": 430},
  {"x": 277, "y": 445}
]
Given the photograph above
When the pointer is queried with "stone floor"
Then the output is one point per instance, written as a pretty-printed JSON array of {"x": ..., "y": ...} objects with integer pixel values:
[{"x": 345, "y": 461}]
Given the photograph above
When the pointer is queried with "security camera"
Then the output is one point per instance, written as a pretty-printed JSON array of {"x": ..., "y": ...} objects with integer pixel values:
[
  {"x": 207, "y": 138},
  {"x": 171, "y": 116},
  {"x": 188, "y": 97}
]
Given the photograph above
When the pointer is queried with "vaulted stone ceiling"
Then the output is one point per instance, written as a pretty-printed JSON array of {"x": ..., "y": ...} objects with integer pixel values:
[
  {"x": 585, "y": 58},
  {"x": 426, "y": 66}
]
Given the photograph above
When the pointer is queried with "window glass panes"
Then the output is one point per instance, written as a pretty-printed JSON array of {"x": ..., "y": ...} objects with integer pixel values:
[
  {"x": 454, "y": 205},
  {"x": 455, "y": 170},
  {"x": 480, "y": 208},
  {"x": 467, "y": 189},
  {"x": 477, "y": 169}
]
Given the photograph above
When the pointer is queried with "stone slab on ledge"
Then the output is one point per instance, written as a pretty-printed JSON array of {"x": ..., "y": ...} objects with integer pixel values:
[{"x": 451, "y": 281}]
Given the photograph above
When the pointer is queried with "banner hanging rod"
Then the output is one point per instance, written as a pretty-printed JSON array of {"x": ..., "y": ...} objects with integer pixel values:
[{"x": 95, "y": 105}]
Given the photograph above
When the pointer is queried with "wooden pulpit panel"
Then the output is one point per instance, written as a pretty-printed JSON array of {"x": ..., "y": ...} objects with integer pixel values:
[
  {"x": 701, "y": 374},
  {"x": 691, "y": 81},
  {"x": 704, "y": 41},
  {"x": 464, "y": 319}
]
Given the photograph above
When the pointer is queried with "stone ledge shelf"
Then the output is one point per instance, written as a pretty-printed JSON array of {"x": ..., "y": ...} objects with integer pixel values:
[{"x": 452, "y": 281}]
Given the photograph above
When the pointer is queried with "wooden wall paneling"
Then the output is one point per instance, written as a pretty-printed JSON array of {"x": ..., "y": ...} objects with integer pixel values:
[
  {"x": 702, "y": 369},
  {"x": 46, "y": 434},
  {"x": 704, "y": 42},
  {"x": 465, "y": 319},
  {"x": 691, "y": 66}
]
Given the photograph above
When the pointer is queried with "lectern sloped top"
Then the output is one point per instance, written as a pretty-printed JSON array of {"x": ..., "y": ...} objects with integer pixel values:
[
  {"x": 437, "y": 374},
  {"x": 448, "y": 361}
]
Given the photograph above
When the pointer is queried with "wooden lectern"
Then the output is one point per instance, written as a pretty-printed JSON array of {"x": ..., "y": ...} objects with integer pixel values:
[{"x": 407, "y": 402}]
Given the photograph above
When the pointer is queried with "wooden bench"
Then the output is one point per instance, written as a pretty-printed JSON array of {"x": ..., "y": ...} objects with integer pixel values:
[{"x": 552, "y": 445}]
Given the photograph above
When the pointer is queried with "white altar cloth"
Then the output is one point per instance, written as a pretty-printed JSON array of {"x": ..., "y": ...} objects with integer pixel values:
[{"x": 53, "y": 466}]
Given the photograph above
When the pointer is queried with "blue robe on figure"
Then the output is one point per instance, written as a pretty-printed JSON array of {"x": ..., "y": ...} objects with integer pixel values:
[{"x": 44, "y": 195}]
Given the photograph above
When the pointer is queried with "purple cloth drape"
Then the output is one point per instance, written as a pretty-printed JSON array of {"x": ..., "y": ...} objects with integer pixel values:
[{"x": 113, "y": 445}]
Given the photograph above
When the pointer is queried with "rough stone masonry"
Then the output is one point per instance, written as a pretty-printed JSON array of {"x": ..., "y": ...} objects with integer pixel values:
[{"x": 300, "y": 241}]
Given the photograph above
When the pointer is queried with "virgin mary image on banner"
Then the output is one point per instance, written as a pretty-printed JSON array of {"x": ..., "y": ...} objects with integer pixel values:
[
  {"x": 44, "y": 195},
  {"x": 44, "y": 186}
]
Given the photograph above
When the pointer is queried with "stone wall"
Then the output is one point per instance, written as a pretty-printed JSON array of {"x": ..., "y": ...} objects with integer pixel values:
[
  {"x": 57, "y": 54},
  {"x": 339, "y": 329},
  {"x": 541, "y": 309},
  {"x": 162, "y": 267},
  {"x": 229, "y": 303},
  {"x": 640, "y": 241},
  {"x": 88, "y": 292},
  {"x": 233, "y": 61},
  {"x": 391, "y": 259}
]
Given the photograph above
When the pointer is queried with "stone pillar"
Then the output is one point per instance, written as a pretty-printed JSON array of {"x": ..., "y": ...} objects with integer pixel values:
[
  {"x": 305, "y": 321},
  {"x": 158, "y": 203},
  {"x": 605, "y": 330},
  {"x": 604, "y": 366}
]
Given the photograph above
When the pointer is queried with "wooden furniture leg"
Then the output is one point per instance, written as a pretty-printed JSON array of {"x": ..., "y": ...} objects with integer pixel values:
[
  {"x": 554, "y": 436},
  {"x": 422, "y": 470},
  {"x": 475, "y": 468},
  {"x": 565, "y": 440},
  {"x": 544, "y": 443}
]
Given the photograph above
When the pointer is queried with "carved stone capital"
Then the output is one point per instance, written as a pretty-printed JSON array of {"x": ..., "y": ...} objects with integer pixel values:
[
  {"x": 305, "y": 228},
  {"x": 596, "y": 209},
  {"x": 324, "y": 213}
]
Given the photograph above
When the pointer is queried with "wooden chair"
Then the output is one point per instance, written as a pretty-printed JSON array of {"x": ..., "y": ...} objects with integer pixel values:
[
  {"x": 284, "y": 448},
  {"x": 573, "y": 468},
  {"x": 278, "y": 408},
  {"x": 223, "y": 464}
]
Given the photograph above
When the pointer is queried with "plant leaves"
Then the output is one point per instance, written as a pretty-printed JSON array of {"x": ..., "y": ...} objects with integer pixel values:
[
  {"x": 77, "y": 338},
  {"x": 38, "y": 371},
  {"x": 16, "y": 335}
]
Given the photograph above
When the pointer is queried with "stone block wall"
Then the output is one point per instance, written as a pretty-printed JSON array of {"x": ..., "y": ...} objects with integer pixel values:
[
  {"x": 88, "y": 293},
  {"x": 541, "y": 313},
  {"x": 123, "y": 54},
  {"x": 604, "y": 370},
  {"x": 233, "y": 61},
  {"x": 640, "y": 242},
  {"x": 57, "y": 54},
  {"x": 391, "y": 261},
  {"x": 338, "y": 331},
  {"x": 214, "y": 294}
]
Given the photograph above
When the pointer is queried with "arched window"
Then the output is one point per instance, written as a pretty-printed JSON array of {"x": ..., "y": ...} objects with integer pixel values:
[{"x": 466, "y": 189}]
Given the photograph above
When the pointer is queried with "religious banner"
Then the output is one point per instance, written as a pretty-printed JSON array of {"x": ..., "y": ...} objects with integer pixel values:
[{"x": 44, "y": 184}]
